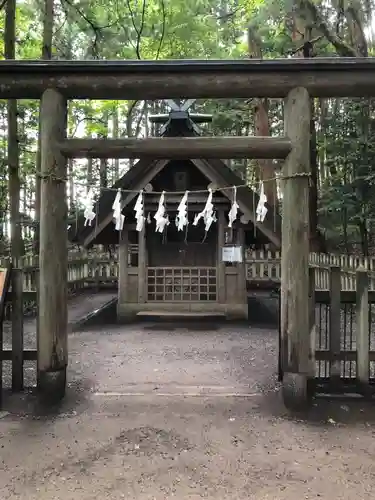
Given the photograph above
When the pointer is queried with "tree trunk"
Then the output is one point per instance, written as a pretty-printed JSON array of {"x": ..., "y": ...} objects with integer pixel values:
[
  {"x": 3, "y": 202},
  {"x": 48, "y": 20},
  {"x": 103, "y": 163},
  {"x": 322, "y": 136},
  {"x": 129, "y": 125},
  {"x": 71, "y": 198},
  {"x": 115, "y": 134},
  {"x": 262, "y": 127},
  {"x": 147, "y": 125},
  {"x": 302, "y": 35},
  {"x": 360, "y": 44},
  {"x": 14, "y": 195},
  {"x": 4, "y": 191},
  {"x": 267, "y": 170},
  {"x": 90, "y": 164},
  {"x": 316, "y": 243},
  {"x": 13, "y": 149}
]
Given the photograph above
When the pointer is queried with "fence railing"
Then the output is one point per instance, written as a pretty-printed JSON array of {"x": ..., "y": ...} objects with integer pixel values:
[
  {"x": 261, "y": 266},
  {"x": 83, "y": 271},
  {"x": 342, "y": 329},
  {"x": 345, "y": 335},
  {"x": 265, "y": 266}
]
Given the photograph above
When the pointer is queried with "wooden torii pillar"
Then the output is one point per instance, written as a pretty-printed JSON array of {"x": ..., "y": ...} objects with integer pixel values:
[
  {"x": 297, "y": 346},
  {"x": 53, "y": 261}
]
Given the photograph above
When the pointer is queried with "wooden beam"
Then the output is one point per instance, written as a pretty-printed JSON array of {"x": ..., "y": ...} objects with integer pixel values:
[
  {"x": 178, "y": 147},
  {"x": 346, "y": 297},
  {"x": 27, "y": 355},
  {"x": 347, "y": 355},
  {"x": 53, "y": 260},
  {"x": 322, "y": 77},
  {"x": 295, "y": 322}
]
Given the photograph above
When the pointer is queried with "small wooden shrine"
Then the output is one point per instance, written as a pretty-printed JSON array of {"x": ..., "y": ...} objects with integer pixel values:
[{"x": 187, "y": 271}]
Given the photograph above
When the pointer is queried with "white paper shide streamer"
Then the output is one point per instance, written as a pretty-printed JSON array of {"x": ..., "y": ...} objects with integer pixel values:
[
  {"x": 139, "y": 212},
  {"x": 118, "y": 217},
  {"x": 160, "y": 217},
  {"x": 182, "y": 213},
  {"x": 89, "y": 213},
  {"x": 207, "y": 213},
  {"x": 261, "y": 208},
  {"x": 232, "y": 216}
]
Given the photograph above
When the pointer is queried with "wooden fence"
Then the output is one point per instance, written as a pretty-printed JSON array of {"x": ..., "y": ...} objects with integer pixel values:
[
  {"x": 261, "y": 267},
  {"x": 344, "y": 329},
  {"x": 83, "y": 271},
  {"x": 343, "y": 298}
]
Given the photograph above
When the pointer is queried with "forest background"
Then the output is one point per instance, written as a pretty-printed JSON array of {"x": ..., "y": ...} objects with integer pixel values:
[{"x": 342, "y": 130}]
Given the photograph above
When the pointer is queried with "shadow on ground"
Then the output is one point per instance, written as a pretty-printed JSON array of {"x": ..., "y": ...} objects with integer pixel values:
[{"x": 157, "y": 356}]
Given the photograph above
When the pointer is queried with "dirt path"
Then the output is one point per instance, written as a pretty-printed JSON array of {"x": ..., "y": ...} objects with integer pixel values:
[
  {"x": 79, "y": 306},
  {"x": 159, "y": 414}
]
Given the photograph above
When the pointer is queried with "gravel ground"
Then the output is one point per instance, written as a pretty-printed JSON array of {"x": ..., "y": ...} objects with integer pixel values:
[
  {"x": 79, "y": 307},
  {"x": 159, "y": 413}
]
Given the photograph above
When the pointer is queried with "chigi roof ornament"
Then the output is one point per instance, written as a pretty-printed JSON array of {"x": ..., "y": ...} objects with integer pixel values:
[{"x": 180, "y": 111}]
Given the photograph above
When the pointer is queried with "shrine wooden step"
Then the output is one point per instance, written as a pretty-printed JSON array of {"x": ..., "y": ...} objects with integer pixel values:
[{"x": 181, "y": 315}]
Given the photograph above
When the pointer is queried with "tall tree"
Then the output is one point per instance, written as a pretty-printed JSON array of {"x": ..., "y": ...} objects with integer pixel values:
[
  {"x": 262, "y": 123},
  {"x": 15, "y": 219},
  {"x": 48, "y": 20},
  {"x": 303, "y": 39},
  {"x": 13, "y": 149}
]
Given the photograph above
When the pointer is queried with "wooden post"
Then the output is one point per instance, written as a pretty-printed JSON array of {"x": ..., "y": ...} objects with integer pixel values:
[
  {"x": 5, "y": 275},
  {"x": 295, "y": 324},
  {"x": 142, "y": 275},
  {"x": 363, "y": 337},
  {"x": 335, "y": 326},
  {"x": 97, "y": 274},
  {"x": 53, "y": 262},
  {"x": 123, "y": 257},
  {"x": 312, "y": 323},
  {"x": 17, "y": 326},
  {"x": 221, "y": 288},
  {"x": 241, "y": 267}
]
